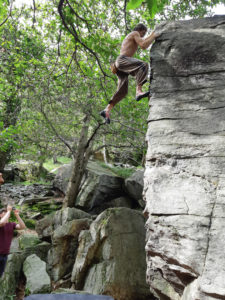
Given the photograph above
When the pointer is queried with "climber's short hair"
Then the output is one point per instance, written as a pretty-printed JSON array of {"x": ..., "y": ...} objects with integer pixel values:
[{"x": 140, "y": 27}]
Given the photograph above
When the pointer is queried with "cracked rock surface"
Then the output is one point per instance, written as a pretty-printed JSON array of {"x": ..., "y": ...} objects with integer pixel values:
[{"x": 184, "y": 181}]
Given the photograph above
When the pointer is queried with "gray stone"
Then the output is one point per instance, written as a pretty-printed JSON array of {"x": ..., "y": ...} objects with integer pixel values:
[
  {"x": 18, "y": 193},
  {"x": 46, "y": 226},
  {"x": 12, "y": 274},
  {"x": 111, "y": 257},
  {"x": 62, "y": 255},
  {"x": 37, "y": 279},
  {"x": 41, "y": 250},
  {"x": 10, "y": 279},
  {"x": 134, "y": 184},
  {"x": 184, "y": 177},
  {"x": 120, "y": 202},
  {"x": 28, "y": 170},
  {"x": 62, "y": 177},
  {"x": 28, "y": 240},
  {"x": 64, "y": 172},
  {"x": 99, "y": 186}
]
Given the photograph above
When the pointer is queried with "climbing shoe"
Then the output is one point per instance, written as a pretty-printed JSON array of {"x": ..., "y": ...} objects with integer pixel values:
[
  {"x": 143, "y": 95},
  {"x": 103, "y": 114}
]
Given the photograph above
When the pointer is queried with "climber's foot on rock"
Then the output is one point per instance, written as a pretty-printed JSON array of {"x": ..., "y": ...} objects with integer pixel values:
[
  {"x": 105, "y": 115},
  {"x": 142, "y": 95}
]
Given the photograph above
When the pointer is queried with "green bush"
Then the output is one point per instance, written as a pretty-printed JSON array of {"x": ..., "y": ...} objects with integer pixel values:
[{"x": 30, "y": 223}]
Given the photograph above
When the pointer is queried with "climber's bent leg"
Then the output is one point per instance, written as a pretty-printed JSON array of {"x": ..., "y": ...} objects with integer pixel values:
[{"x": 120, "y": 93}]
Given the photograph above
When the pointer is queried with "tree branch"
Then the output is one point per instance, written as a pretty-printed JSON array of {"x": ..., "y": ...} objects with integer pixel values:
[
  {"x": 9, "y": 15},
  {"x": 125, "y": 17},
  {"x": 93, "y": 134},
  {"x": 75, "y": 35},
  {"x": 55, "y": 131},
  {"x": 59, "y": 39},
  {"x": 34, "y": 17},
  {"x": 132, "y": 129},
  {"x": 110, "y": 145},
  {"x": 76, "y": 14}
]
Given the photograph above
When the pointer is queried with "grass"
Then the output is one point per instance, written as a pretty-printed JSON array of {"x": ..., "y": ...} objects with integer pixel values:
[
  {"x": 49, "y": 165},
  {"x": 119, "y": 171},
  {"x": 27, "y": 182}
]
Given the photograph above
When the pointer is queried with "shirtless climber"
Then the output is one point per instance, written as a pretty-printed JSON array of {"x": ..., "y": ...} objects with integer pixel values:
[{"x": 127, "y": 65}]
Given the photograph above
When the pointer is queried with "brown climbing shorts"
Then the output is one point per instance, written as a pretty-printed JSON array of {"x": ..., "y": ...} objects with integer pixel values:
[{"x": 126, "y": 66}]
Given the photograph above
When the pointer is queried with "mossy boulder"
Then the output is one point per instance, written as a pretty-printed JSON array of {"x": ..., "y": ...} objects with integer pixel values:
[
  {"x": 37, "y": 278},
  {"x": 28, "y": 240}
]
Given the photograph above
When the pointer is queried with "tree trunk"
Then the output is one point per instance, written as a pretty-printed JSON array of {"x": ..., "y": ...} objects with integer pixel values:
[
  {"x": 3, "y": 160},
  {"x": 9, "y": 117},
  {"x": 105, "y": 152},
  {"x": 54, "y": 158},
  {"x": 80, "y": 163}
]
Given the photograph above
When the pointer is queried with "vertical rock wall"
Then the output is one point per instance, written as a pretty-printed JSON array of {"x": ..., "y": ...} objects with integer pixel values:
[{"x": 184, "y": 184}]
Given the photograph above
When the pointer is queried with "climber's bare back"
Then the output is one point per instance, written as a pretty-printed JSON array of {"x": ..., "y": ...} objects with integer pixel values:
[{"x": 129, "y": 45}]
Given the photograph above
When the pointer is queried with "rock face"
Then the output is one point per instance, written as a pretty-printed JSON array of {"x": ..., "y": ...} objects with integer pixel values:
[
  {"x": 134, "y": 185},
  {"x": 11, "y": 278},
  {"x": 38, "y": 280},
  {"x": 45, "y": 227},
  {"x": 111, "y": 257},
  {"x": 99, "y": 187},
  {"x": 185, "y": 178},
  {"x": 62, "y": 255}
]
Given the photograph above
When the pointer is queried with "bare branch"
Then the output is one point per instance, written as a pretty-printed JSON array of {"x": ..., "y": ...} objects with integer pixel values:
[
  {"x": 93, "y": 134},
  {"x": 110, "y": 145},
  {"x": 125, "y": 16},
  {"x": 59, "y": 39},
  {"x": 76, "y": 14},
  {"x": 75, "y": 35},
  {"x": 34, "y": 8},
  {"x": 9, "y": 15},
  {"x": 55, "y": 131},
  {"x": 131, "y": 128}
]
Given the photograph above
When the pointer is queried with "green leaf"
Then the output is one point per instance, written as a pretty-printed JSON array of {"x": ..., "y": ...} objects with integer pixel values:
[
  {"x": 156, "y": 6},
  {"x": 133, "y": 4},
  {"x": 152, "y": 7}
]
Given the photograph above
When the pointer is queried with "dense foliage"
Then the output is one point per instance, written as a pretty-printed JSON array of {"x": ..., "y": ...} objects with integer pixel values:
[{"x": 54, "y": 66}]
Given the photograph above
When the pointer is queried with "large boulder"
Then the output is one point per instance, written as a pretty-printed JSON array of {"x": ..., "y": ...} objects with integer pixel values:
[
  {"x": 184, "y": 178},
  {"x": 37, "y": 279},
  {"x": 111, "y": 256},
  {"x": 28, "y": 240},
  {"x": 99, "y": 186},
  {"x": 10, "y": 279},
  {"x": 12, "y": 275},
  {"x": 134, "y": 185},
  {"x": 62, "y": 255},
  {"x": 28, "y": 170},
  {"x": 62, "y": 177},
  {"x": 46, "y": 226},
  {"x": 9, "y": 173}
]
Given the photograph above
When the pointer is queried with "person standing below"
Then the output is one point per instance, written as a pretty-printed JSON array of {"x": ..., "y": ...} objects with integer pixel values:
[
  {"x": 1, "y": 179},
  {"x": 127, "y": 65},
  {"x": 6, "y": 231}
]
